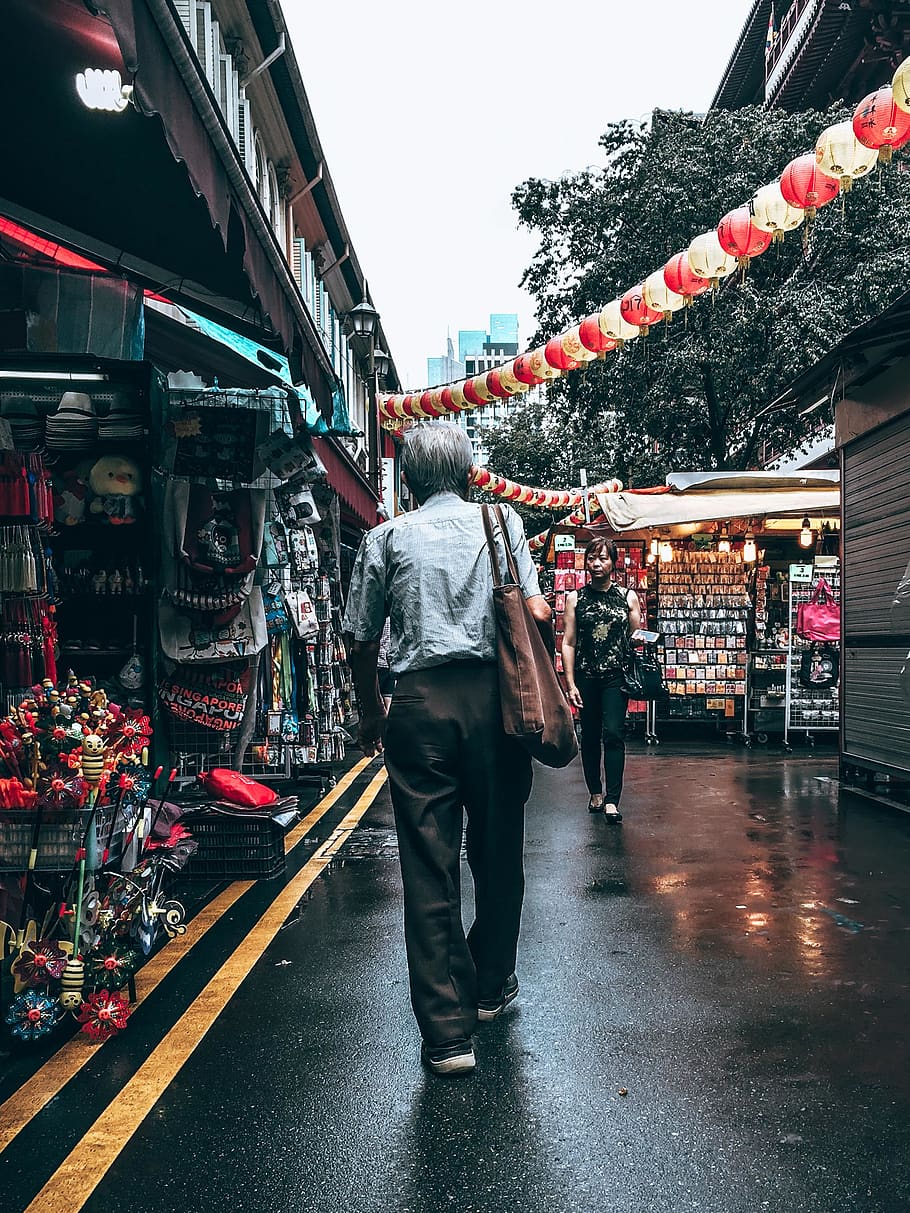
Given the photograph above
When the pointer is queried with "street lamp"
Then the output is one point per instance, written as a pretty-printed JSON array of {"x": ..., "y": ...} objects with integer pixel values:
[
  {"x": 361, "y": 320},
  {"x": 361, "y": 323}
]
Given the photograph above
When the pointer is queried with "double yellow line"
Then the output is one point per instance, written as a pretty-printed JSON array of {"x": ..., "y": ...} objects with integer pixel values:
[{"x": 89, "y": 1161}]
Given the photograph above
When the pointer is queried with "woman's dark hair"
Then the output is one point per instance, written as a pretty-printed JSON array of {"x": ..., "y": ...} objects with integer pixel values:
[{"x": 600, "y": 545}]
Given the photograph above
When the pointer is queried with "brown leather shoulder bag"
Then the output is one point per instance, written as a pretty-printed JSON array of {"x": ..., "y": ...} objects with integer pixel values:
[{"x": 534, "y": 708}]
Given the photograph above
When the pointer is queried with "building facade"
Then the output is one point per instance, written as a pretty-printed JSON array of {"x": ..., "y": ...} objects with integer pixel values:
[{"x": 805, "y": 54}]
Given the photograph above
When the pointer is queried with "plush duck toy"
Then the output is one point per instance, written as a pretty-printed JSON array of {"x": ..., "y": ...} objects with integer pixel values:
[{"x": 116, "y": 482}]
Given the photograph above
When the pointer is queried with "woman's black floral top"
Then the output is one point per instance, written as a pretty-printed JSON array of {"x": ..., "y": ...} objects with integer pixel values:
[{"x": 601, "y": 628}]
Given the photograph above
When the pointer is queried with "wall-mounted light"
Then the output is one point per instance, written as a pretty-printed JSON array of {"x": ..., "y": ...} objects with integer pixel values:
[
  {"x": 666, "y": 552},
  {"x": 749, "y": 550},
  {"x": 806, "y": 538},
  {"x": 102, "y": 89},
  {"x": 723, "y": 539}
]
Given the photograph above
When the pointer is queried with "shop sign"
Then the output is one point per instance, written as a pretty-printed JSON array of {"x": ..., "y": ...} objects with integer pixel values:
[
  {"x": 564, "y": 543},
  {"x": 388, "y": 486},
  {"x": 801, "y": 574}
]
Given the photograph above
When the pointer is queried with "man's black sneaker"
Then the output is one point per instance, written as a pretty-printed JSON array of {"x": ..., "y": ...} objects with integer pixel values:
[
  {"x": 450, "y": 1059},
  {"x": 488, "y": 1009}
]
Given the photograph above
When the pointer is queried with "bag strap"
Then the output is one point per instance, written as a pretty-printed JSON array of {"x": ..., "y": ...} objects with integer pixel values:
[
  {"x": 491, "y": 546},
  {"x": 822, "y": 587},
  {"x": 510, "y": 556}
]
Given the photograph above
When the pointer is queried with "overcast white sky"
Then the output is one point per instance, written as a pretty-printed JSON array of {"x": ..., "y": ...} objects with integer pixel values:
[{"x": 430, "y": 114}]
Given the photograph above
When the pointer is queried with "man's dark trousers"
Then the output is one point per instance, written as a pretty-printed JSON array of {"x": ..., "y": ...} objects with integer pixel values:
[{"x": 446, "y": 754}]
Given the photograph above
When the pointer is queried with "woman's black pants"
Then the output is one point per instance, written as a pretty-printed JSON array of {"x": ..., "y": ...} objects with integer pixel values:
[{"x": 603, "y": 721}]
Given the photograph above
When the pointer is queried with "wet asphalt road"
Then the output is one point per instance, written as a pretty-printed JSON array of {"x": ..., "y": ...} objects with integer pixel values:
[{"x": 714, "y": 1015}]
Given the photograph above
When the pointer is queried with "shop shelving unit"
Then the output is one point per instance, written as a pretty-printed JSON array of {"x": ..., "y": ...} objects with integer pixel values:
[{"x": 809, "y": 710}]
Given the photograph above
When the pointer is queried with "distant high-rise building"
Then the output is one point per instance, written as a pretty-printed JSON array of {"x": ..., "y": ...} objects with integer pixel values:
[
  {"x": 470, "y": 341},
  {"x": 503, "y": 329},
  {"x": 446, "y": 369},
  {"x": 479, "y": 351}
]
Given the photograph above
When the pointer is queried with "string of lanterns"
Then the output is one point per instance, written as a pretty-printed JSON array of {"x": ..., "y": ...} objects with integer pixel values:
[
  {"x": 545, "y": 499},
  {"x": 844, "y": 152},
  {"x": 576, "y": 518}
]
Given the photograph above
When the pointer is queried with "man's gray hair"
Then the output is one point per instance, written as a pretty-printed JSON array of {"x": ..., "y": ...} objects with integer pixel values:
[{"x": 437, "y": 458}]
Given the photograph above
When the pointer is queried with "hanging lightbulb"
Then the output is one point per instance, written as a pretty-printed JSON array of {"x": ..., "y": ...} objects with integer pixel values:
[
  {"x": 723, "y": 539},
  {"x": 655, "y": 544},
  {"x": 651, "y": 557},
  {"x": 666, "y": 552},
  {"x": 806, "y": 538},
  {"x": 749, "y": 550}
]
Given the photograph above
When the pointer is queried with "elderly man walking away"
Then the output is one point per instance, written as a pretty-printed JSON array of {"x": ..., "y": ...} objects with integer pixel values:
[{"x": 445, "y": 748}]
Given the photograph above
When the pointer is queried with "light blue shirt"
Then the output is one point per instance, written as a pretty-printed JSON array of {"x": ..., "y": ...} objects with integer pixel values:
[{"x": 429, "y": 572}]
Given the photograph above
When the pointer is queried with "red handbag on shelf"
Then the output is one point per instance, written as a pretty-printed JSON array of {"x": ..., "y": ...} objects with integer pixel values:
[{"x": 819, "y": 618}]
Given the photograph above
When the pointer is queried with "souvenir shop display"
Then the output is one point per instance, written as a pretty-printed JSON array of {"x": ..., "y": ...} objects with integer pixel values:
[
  {"x": 81, "y": 807},
  {"x": 705, "y": 612},
  {"x": 27, "y": 582},
  {"x": 255, "y": 674},
  {"x": 811, "y": 691}
]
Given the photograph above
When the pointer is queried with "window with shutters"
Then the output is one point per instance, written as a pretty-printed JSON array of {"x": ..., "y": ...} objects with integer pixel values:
[
  {"x": 261, "y": 177},
  {"x": 245, "y": 133},
  {"x": 276, "y": 205}
]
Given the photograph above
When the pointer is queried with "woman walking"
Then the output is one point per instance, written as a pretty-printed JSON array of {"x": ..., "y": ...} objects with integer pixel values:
[{"x": 598, "y": 621}]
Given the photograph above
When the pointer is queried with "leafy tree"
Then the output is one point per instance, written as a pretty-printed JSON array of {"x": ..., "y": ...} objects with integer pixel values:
[{"x": 694, "y": 394}]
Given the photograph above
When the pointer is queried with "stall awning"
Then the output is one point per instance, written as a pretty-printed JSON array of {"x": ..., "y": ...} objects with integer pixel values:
[
  {"x": 353, "y": 489},
  {"x": 713, "y": 496},
  {"x": 146, "y": 192}
]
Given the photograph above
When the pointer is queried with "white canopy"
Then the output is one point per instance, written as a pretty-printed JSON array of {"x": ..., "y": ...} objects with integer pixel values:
[{"x": 712, "y": 496}]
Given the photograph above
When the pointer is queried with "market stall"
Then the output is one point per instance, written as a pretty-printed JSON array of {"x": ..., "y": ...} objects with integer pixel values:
[{"x": 721, "y": 563}]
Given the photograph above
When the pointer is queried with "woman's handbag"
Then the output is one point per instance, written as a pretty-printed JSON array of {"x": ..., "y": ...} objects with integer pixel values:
[
  {"x": 534, "y": 708},
  {"x": 642, "y": 675},
  {"x": 819, "y": 618}
]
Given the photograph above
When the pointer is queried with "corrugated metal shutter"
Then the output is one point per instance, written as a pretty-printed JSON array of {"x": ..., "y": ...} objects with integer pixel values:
[{"x": 876, "y": 536}]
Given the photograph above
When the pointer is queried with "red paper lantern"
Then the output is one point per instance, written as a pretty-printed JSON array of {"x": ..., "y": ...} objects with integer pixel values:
[
  {"x": 494, "y": 385},
  {"x": 521, "y": 369},
  {"x": 445, "y": 397},
  {"x": 803, "y": 184},
  {"x": 878, "y": 123},
  {"x": 739, "y": 236},
  {"x": 470, "y": 393},
  {"x": 482, "y": 477},
  {"x": 679, "y": 277},
  {"x": 428, "y": 405},
  {"x": 592, "y": 336},
  {"x": 557, "y": 356},
  {"x": 636, "y": 312}
]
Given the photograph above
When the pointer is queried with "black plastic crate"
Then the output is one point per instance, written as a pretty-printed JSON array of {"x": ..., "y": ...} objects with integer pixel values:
[
  {"x": 60, "y": 836},
  {"x": 235, "y": 846}
]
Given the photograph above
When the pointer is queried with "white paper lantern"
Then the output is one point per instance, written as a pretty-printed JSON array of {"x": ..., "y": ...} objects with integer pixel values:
[
  {"x": 708, "y": 258},
  {"x": 840, "y": 154},
  {"x": 657, "y": 295},
  {"x": 613, "y": 325},
  {"x": 771, "y": 212}
]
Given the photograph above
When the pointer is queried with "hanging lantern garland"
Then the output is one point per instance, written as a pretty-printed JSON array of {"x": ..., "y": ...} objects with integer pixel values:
[
  {"x": 543, "y": 499},
  {"x": 844, "y": 152},
  {"x": 576, "y": 518}
]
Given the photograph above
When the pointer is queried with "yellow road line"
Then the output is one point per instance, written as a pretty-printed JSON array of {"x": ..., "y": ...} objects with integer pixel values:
[
  {"x": 52, "y": 1077},
  {"x": 86, "y": 1165}
]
